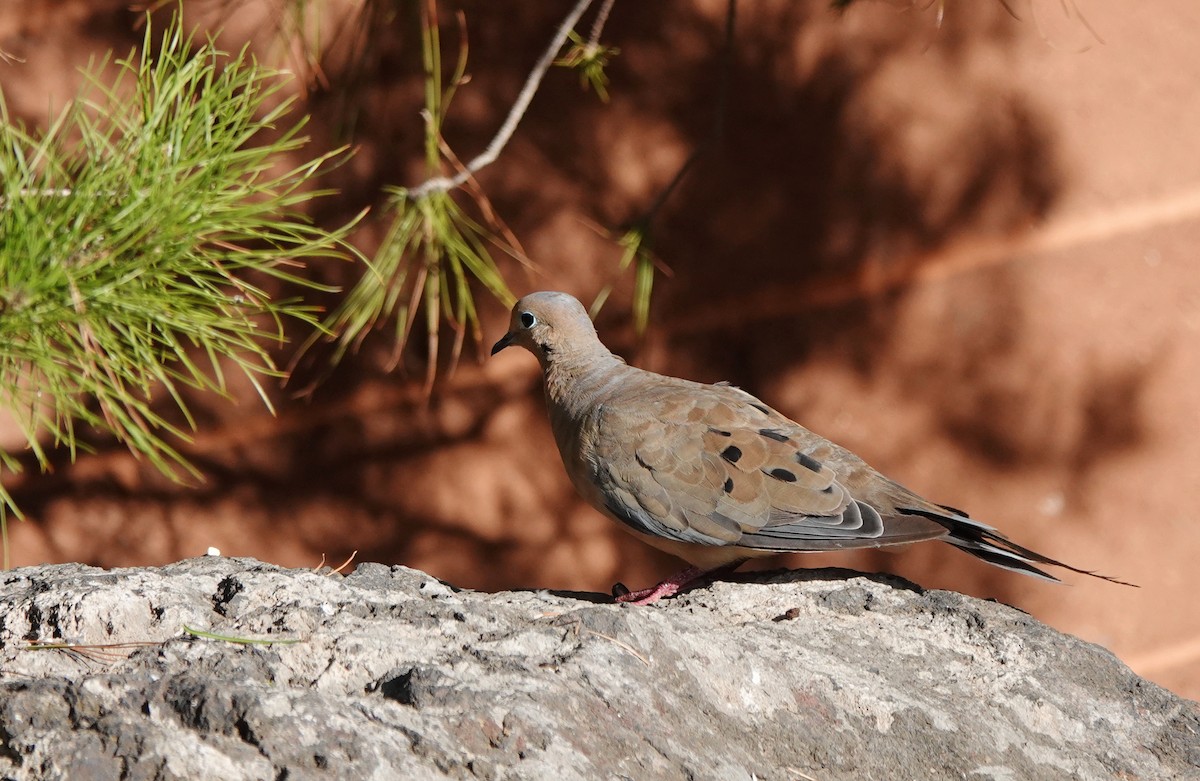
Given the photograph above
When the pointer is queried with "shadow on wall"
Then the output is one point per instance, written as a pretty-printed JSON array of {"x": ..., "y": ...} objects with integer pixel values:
[{"x": 854, "y": 146}]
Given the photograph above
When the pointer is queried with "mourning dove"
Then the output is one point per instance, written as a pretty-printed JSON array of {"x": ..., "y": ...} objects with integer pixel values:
[{"x": 711, "y": 474}]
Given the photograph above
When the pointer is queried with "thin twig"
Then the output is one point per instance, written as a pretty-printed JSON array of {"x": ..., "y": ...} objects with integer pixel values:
[
  {"x": 577, "y": 627},
  {"x": 800, "y": 773},
  {"x": 718, "y": 126},
  {"x": 337, "y": 569},
  {"x": 598, "y": 25},
  {"x": 515, "y": 114},
  {"x": 620, "y": 644}
]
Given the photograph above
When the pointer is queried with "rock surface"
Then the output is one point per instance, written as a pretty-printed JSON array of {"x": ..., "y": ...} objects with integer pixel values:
[{"x": 820, "y": 675}]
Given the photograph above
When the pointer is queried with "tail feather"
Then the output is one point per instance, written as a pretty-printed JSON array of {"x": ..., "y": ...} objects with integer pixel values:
[
  {"x": 984, "y": 542},
  {"x": 999, "y": 557}
]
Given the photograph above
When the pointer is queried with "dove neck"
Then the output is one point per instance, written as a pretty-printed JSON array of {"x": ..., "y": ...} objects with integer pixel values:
[{"x": 578, "y": 378}]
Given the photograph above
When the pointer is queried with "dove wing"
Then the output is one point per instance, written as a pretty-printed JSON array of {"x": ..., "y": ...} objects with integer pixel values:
[{"x": 715, "y": 466}]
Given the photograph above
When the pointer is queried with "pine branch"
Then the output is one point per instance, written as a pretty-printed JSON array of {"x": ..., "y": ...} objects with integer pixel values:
[
  {"x": 515, "y": 113},
  {"x": 130, "y": 233}
]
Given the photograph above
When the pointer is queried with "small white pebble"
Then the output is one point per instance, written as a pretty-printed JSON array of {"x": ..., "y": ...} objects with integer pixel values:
[{"x": 213, "y": 552}]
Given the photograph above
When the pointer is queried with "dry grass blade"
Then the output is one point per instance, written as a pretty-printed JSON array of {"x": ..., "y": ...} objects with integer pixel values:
[{"x": 108, "y": 653}]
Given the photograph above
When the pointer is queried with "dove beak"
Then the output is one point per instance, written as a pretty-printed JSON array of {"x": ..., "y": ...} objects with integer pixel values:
[{"x": 505, "y": 341}]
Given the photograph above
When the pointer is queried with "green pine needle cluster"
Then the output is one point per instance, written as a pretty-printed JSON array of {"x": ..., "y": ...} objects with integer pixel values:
[
  {"x": 636, "y": 251},
  {"x": 427, "y": 261},
  {"x": 590, "y": 59},
  {"x": 138, "y": 236}
]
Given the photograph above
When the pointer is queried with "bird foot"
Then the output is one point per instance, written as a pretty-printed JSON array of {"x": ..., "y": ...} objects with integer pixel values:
[{"x": 667, "y": 588}]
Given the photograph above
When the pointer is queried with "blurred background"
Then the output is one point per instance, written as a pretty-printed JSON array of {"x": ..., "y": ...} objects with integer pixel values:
[{"x": 957, "y": 238}]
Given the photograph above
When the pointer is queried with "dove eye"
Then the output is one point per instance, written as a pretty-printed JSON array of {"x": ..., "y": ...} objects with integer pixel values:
[{"x": 528, "y": 320}]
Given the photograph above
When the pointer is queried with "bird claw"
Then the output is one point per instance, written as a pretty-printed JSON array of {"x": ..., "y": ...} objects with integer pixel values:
[
  {"x": 667, "y": 588},
  {"x": 647, "y": 595}
]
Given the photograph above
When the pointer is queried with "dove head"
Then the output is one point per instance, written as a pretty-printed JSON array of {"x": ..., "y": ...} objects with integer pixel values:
[{"x": 551, "y": 326}]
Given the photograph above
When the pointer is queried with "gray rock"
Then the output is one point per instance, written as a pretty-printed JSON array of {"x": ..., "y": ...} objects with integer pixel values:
[{"x": 821, "y": 675}]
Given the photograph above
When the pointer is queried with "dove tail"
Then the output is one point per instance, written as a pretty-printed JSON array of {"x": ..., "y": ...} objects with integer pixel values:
[{"x": 984, "y": 542}]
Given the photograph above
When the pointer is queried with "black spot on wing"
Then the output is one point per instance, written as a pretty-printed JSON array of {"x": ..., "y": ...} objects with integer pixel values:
[
  {"x": 782, "y": 474},
  {"x": 808, "y": 462},
  {"x": 732, "y": 454},
  {"x": 771, "y": 433},
  {"x": 761, "y": 408},
  {"x": 719, "y": 432},
  {"x": 728, "y": 485}
]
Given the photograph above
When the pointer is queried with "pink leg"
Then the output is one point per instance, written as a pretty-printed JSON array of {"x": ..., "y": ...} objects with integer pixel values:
[{"x": 668, "y": 587}]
